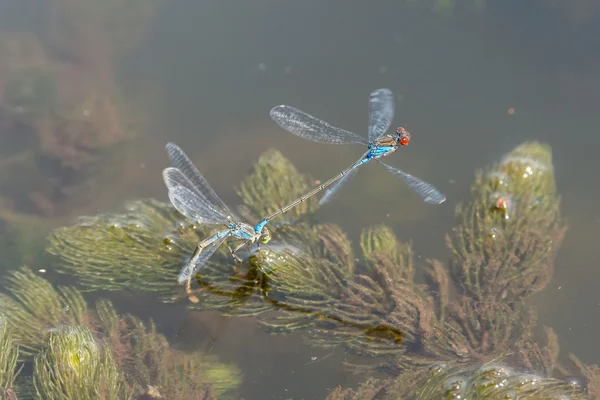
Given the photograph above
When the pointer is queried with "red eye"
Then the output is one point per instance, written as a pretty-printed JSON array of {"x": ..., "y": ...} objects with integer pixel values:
[{"x": 404, "y": 136}]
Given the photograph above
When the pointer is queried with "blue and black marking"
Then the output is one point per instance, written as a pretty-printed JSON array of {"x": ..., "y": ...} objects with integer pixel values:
[{"x": 260, "y": 225}]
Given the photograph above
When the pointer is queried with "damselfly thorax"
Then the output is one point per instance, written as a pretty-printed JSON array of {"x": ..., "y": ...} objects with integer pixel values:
[
  {"x": 387, "y": 141},
  {"x": 388, "y": 144},
  {"x": 242, "y": 231}
]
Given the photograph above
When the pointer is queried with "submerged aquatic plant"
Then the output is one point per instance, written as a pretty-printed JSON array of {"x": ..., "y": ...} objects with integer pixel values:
[
  {"x": 135, "y": 250},
  {"x": 503, "y": 246},
  {"x": 464, "y": 315},
  {"x": 34, "y": 307},
  {"x": 274, "y": 175},
  {"x": 9, "y": 354},
  {"x": 471, "y": 380},
  {"x": 506, "y": 239},
  {"x": 73, "y": 365},
  {"x": 94, "y": 353},
  {"x": 32, "y": 91},
  {"x": 60, "y": 97},
  {"x": 152, "y": 365}
]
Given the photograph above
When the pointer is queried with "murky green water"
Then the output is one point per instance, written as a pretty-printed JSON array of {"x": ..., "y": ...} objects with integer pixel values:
[{"x": 470, "y": 86}]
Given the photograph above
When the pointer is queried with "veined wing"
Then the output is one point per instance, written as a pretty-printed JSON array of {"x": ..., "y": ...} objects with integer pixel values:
[
  {"x": 190, "y": 270},
  {"x": 428, "y": 192},
  {"x": 312, "y": 128},
  {"x": 191, "y": 203},
  {"x": 381, "y": 112},
  {"x": 332, "y": 191},
  {"x": 182, "y": 162}
]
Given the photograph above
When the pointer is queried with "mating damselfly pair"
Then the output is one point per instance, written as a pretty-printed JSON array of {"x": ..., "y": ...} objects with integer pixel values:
[{"x": 193, "y": 197}]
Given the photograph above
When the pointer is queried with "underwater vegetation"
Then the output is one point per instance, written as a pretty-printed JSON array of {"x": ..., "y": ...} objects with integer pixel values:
[
  {"x": 31, "y": 91},
  {"x": 464, "y": 331},
  {"x": 9, "y": 354},
  {"x": 78, "y": 352},
  {"x": 61, "y": 110}
]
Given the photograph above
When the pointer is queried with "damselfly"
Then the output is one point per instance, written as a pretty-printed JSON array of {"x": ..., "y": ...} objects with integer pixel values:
[
  {"x": 379, "y": 144},
  {"x": 193, "y": 197}
]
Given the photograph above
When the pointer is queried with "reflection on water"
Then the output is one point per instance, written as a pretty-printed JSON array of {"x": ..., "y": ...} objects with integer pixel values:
[{"x": 85, "y": 88}]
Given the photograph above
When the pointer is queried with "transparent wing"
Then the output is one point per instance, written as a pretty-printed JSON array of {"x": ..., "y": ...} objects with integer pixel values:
[
  {"x": 381, "y": 112},
  {"x": 190, "y": 269},
  {"x": 312, "y": 128},
  {"x": 332, "y": 191},
  {"x": 428, "y": 192},
  {"x": 193, "y": 205},
  {"x": 182, "y": 162}
]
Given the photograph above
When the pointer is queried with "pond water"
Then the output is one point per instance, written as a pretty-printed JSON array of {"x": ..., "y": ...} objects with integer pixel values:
[{"x": 470, "y": 83}]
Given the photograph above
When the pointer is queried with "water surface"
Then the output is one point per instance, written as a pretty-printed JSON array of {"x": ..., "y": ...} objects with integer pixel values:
[{"x": 206, "y": 74}]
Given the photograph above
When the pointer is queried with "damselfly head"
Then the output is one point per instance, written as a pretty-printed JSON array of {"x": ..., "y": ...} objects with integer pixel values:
[
  {"x": 265, "y": 236},
  {"x": 403, "y": 136}
]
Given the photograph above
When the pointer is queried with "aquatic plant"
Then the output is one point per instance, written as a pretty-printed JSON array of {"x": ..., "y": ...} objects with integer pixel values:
[
  {"x": 72, "y": 365},
  {"x": 34, "y": 307},
  {"x": 139, "y": 249},
  {"x": 70, "y": 123},
  {"x": 506, "y": 238},
  {"x": 83, "y": 353},
  {"x": 9, "y": 354},
  {"x": 465, "y": 315},
  {"x": 152, "y": 366},
  {"x": 31, "y": 91},
  {"x": 78, "y": 130},
  {"x": 503, "y": 246},
  {"x": 591, "y": 377},
  {"x": 465, "y": 380},
  {"x": 59, "y": 96},
  {"x": 274, "y": 175}
]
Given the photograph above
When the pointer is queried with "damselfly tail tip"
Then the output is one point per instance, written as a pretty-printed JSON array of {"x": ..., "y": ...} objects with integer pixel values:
[{"x": 324, "y": 200}]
